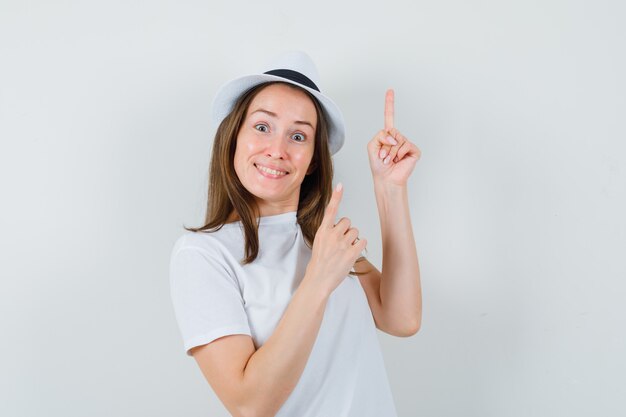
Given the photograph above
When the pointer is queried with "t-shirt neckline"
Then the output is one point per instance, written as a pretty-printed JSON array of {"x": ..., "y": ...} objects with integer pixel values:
[
  {"x": 287, "y": 217},
  {"x": 282, "y": 218}
]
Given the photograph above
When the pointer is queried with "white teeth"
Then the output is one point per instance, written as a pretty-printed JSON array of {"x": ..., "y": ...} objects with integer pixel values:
[{"x": 270, "y": 171}]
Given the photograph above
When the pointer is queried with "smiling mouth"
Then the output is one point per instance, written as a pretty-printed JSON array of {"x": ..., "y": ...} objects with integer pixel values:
[{"x": 271, "y": 172}]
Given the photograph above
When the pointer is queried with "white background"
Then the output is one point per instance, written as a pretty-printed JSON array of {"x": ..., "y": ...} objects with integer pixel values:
[{"x": 517, "y": 203}]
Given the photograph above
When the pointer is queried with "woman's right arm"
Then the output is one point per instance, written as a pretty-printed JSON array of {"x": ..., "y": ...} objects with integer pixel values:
[{"x": 257, "y": 383}]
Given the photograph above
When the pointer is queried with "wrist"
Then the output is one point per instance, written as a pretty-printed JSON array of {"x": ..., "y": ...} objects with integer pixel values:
[
  {"x": 313, "y": 285},
  {"x": 387, "y": 189}
]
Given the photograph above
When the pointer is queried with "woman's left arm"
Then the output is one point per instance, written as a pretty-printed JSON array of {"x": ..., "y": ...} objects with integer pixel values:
[{"x": 392, "y": 159}]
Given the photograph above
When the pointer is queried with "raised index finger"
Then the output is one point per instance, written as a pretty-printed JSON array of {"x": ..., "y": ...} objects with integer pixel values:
[
  {"x": 389, "y": 109},
  {"x": 331, "y": 209}
]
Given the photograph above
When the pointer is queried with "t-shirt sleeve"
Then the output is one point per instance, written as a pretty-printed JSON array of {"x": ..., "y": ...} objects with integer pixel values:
[{"x": 206, "y": 298}]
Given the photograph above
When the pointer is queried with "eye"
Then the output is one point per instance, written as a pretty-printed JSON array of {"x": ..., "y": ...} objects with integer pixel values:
[
  {"x": 298, "y": 137},
  {"x": 261, "y": 127}
]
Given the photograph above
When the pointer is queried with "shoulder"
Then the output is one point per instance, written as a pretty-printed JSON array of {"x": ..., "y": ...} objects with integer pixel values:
[
  {"x": 199, "y": 255},
  {"x": 223, "y": 245},
  {"x": 198, "y": 241}
]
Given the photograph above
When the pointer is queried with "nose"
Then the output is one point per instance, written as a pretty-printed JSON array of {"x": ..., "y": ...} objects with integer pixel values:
[{"x": 276, "y": 147}]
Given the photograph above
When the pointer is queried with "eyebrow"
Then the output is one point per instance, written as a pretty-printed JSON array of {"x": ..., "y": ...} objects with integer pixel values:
[{"x": 299, "y": 122}]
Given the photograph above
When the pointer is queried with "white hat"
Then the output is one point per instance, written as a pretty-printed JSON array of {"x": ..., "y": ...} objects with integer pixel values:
[{"x": 294, "y": 68}]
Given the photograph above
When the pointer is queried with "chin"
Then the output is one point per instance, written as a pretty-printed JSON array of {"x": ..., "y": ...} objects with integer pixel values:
[{"x": 270, "y": 195}]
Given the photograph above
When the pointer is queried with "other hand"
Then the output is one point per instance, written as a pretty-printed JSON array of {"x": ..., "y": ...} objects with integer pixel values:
[{"x": 392, "y": 156}]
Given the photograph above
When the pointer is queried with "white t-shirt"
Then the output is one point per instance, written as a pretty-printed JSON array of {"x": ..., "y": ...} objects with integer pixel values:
[{"x": 214, "y": 295}]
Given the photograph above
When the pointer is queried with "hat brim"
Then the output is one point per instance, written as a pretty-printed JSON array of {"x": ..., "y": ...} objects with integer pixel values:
[{"x": 228, "y": 94}]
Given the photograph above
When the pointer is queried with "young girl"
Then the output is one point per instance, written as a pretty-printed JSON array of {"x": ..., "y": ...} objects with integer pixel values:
[{"x": 275, "y": 300}]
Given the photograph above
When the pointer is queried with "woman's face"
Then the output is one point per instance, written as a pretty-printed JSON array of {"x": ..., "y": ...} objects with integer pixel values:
[{"x": 275, "y": 147}]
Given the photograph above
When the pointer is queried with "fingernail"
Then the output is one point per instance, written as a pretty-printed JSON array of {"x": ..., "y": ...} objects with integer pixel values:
[
  {"x": 392, "y": 140},
  {"x": 383, "y": 152},
  {"x": 386, "y": 161},
  {"x": 339, "y": 187}
]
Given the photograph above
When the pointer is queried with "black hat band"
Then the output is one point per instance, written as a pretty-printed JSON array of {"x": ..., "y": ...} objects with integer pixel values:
[{"x": 294, "y": 76}]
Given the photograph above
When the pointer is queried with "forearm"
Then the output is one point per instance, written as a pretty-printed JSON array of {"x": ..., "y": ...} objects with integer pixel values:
[
  {"x": 274, "y": 369},
  {"x": 400, "y": 288}
]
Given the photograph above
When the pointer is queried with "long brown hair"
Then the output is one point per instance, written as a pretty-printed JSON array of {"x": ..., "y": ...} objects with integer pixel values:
[{"x": 226, "y": 194}]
